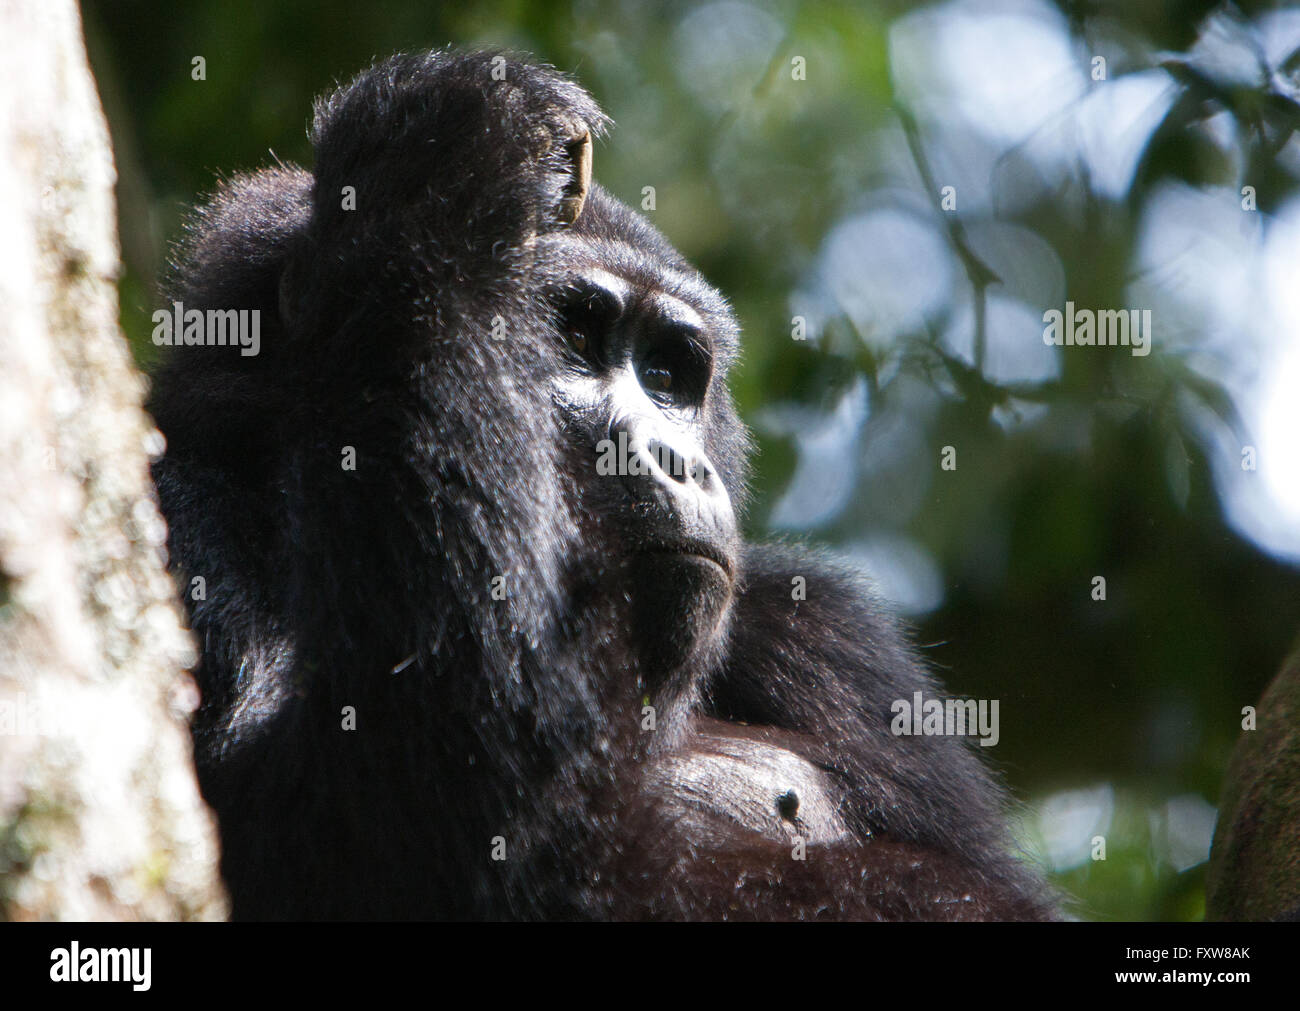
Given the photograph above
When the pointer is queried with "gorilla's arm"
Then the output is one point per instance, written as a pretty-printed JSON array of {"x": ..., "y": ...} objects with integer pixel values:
[
  {"x": 826, "y": 670},
  {"x": 381, "y": 278}
]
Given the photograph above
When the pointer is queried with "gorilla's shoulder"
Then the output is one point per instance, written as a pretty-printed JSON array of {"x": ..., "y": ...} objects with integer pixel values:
[{"x": 821, "y": 600}]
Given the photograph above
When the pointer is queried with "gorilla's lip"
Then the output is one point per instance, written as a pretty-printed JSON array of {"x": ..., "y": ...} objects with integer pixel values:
[{"x": 695, "y": 549}]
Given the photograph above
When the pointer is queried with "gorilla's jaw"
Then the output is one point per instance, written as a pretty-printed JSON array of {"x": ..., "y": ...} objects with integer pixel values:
[{"x": 680, "y": 603}]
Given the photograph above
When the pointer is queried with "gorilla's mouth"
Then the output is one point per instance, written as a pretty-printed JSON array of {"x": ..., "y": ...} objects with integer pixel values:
[{"x": 697, "y": 550}]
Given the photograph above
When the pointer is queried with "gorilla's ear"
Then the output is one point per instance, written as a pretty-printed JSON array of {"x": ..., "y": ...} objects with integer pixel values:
[
  {"x": 294, "y": 285},
  {"x": 289, "y": 293},
  {"x": 235, "y": 244},
  {"x": 578, "y": 154}
]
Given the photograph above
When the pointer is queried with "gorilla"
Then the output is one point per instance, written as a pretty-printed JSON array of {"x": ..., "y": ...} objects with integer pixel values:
[{"x": 479, "y": 638}]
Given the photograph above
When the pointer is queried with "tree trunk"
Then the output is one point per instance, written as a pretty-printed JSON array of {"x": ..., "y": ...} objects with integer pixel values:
[{"x": 100, "y": 817}]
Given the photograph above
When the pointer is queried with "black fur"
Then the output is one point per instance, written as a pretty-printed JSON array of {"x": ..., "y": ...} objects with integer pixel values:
[{"x": 518, "y": 718}]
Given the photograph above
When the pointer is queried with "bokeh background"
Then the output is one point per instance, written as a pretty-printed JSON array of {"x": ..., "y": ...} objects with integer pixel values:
[{"x": 1125, "y": 154}]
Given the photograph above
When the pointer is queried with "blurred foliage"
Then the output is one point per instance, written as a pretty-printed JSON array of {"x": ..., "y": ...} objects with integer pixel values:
[{"x": 821, "y": 198}]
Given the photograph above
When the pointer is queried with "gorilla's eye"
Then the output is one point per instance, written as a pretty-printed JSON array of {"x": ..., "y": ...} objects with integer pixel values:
[
  {"x": 675, "y": 370},
  {"x": 586, "y": 313},
  {"x": 659, "y": 379}
]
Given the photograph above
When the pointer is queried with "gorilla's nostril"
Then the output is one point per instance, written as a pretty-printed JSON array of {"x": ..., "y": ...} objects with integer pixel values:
[{"x": 670, "y": 461}]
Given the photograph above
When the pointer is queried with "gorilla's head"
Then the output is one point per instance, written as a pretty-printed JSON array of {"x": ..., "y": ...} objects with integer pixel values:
[
  {"x": 509, "y": 347},
  {"x": 646, "y": 345}
]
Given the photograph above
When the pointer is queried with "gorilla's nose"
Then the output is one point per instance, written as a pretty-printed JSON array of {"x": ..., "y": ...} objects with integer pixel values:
[
  {"x": 667, "y": 467},
  {"x": 687, "y": 467}
]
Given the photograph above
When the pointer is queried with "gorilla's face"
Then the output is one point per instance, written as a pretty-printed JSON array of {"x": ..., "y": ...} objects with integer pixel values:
[{"x": 645, "y": 345}]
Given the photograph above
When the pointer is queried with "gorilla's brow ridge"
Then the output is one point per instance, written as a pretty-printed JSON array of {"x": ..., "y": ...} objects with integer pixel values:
[{"x": 619, "y": 260}]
